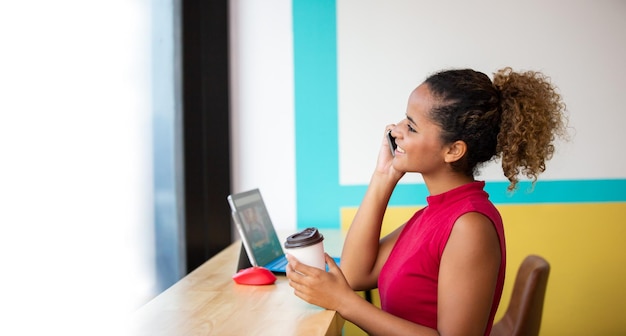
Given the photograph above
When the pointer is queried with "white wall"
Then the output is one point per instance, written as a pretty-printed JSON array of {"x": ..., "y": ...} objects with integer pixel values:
[
  {"x": 262, "y": 125},
  {"x": 386, "y": 51},
  {"x": 75, "y": 181}
]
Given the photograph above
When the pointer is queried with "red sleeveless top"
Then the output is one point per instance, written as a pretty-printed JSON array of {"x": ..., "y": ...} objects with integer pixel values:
[{"x": 408, "y": 281}]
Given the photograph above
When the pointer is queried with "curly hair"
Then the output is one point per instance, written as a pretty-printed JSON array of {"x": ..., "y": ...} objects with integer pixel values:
[{"x": 516, "y": 118}]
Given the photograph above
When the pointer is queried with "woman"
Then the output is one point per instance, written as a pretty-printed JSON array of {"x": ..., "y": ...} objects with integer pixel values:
[{"x": 442, "y": 272}]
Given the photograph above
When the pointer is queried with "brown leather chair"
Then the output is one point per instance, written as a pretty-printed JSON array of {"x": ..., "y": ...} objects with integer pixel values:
[{"x": 523, "y": 315}]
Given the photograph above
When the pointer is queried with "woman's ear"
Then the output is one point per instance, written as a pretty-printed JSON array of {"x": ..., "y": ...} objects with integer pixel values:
[{"x": 456, "y": 151}]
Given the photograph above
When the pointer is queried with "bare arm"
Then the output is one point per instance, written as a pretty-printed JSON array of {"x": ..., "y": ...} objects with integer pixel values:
[
  {"x": 467, "y": 280},
  {"x": 364, "y": 252},
  {"x": 467, "y": 276}
]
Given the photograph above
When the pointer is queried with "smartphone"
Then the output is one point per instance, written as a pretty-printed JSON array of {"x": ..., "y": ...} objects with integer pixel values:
[{"x": 392, "y": 143}]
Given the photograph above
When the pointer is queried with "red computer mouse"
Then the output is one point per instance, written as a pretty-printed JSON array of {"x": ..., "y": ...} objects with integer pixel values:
[{"x": 255, "y": 275}]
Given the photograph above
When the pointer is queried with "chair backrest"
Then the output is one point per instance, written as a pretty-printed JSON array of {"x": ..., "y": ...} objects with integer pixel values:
[{"x": 523, "y": 315}]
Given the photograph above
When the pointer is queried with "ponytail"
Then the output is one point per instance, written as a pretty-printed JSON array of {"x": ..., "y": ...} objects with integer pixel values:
[{"x": 532, "y": 117}]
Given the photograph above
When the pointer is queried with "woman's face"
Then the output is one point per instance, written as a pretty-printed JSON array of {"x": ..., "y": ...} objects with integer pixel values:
[{"x": 420, "y": 148}]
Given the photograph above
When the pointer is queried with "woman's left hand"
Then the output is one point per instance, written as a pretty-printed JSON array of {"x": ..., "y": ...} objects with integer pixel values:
[{"x": 318, "y": 287}]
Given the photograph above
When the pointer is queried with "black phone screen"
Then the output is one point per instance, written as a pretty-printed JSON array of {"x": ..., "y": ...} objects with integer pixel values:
[{"x": 392, "y": 143}]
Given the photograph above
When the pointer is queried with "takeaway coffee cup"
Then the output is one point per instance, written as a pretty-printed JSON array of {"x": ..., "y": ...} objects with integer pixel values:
[{"x": 308, "y": 247}]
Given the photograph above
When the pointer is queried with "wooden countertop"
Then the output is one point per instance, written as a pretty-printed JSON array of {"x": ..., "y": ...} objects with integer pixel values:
[{"x": 208, "y": 302}]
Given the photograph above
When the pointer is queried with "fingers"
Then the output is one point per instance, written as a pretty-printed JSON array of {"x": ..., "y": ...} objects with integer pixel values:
[
  {"x": 312, "y": 284},
  {"x": 297, "y": 267},
  {"x": 389, "y": 127},
  {"x": 292, "y": 262},
  {"x": 334, "y": 269},
  {"x": 330, "y": 261},
  {"x": 298, "y": 280},
  {"x": 302, "y": 268},
  {"x": 332, "y": 265}
]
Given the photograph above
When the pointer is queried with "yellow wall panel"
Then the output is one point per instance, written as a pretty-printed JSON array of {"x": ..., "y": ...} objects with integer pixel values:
[{"x": 586, "y": 247}]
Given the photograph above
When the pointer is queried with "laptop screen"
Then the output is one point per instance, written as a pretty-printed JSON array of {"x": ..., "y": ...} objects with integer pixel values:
[{"x": 257, "y": 226}]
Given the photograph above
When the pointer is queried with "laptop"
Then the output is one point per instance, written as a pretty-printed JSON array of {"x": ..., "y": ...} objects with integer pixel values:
[{"x": 260, "y": 244}]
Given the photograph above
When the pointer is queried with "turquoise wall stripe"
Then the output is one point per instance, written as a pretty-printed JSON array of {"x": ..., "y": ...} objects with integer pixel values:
[
  {"x": 319, "y": 194},
  {"x": 562, "y": 191},
  {"x": 315, "y": 96},
  {"x": 566, "y": 191}
]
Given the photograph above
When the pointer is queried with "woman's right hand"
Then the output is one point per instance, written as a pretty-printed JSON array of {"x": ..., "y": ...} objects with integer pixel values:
[{"x": 384, "y": 165}]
